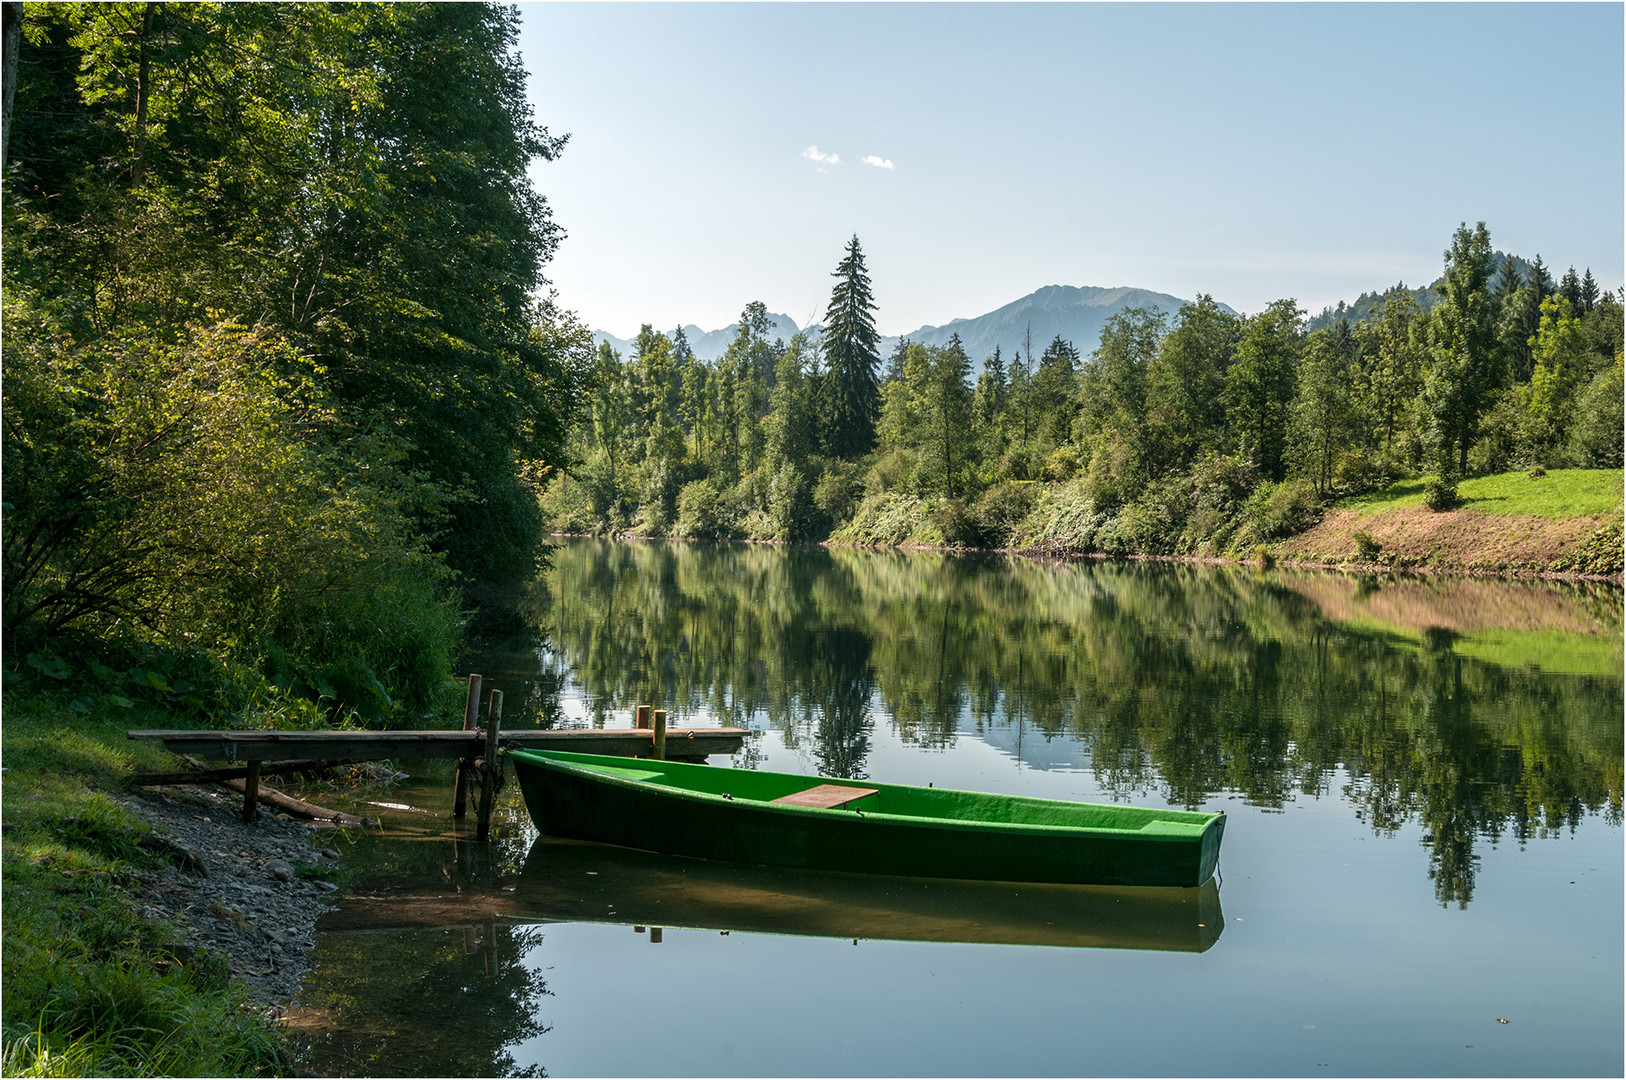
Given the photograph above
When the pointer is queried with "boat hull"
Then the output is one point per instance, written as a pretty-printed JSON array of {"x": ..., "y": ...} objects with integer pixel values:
[{"x": 653, "y": 808}]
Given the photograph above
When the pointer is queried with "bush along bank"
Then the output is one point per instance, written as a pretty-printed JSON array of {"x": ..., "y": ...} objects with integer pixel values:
[
  {"x": 1563, "y": 522},
  {"x": 147, "y": 933}
]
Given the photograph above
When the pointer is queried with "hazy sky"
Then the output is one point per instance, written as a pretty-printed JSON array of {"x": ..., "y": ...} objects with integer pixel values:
[{"x": 723, "y": 153}]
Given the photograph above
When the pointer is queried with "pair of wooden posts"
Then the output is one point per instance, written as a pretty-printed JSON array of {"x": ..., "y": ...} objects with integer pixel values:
[
  {"x": 487, "y": 767},
  {"x": 643, "y": 718}
]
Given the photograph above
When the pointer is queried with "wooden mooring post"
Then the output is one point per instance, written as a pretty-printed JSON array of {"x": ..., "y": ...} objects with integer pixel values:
[
  {"x": 471, "y": 716},
  {"x": 490, "y": 768},
  {"x": 658, "y": 739}
]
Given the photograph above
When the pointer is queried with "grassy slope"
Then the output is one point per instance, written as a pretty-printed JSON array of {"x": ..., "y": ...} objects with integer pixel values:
[
  {"x": 92, "y": 987},
  {"x": 1559, "y": 495},
  {"x": 1569, "y": 519}
]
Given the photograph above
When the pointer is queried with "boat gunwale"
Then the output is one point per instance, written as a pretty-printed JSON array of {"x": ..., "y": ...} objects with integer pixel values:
[{"x": 1200, "y": 828}]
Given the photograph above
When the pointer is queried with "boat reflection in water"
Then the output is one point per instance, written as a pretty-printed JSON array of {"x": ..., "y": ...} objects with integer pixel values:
[{"x": 577, "y": 881}]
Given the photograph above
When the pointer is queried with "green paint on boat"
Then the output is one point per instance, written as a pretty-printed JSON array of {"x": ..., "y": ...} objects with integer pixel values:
[{"x": 730, "y": 815}]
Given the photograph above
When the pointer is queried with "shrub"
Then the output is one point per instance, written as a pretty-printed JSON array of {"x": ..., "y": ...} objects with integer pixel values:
[
  {"x": 790, "y": 504},
  {"x": 890, "y": 517},
  {"x": 1062, "y": 463},
  {"x": 1278, "y": 510},
  {"x": 1063, "y": 516},
  {"x": 199, "y": 494},
  {"x": 1440, "y": 493},
  {"x": 704, "y": 513},
  {"x": 1367, "y": 547},
  {"x": 836, "y": 494},
  {"x": 1000, "y": 511}
]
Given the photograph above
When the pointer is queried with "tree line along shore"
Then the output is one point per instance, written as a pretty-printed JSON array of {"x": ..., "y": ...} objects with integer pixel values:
[{"x": 1200, "y": 433}]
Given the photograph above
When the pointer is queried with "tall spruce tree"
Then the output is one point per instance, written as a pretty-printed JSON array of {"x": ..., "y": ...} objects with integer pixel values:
[
  {"x": 1463, "y": 371},
  {"x": 850, "y": 343}
]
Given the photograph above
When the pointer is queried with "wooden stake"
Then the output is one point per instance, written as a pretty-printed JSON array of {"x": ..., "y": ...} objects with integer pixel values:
[
  {"x": 490, "y": 767},
  {"x": 471, "y": 716},
  {"x": 251, "y": 792},
  {"x": 659, "y": 741},
  {"x": 643, "y": 717}
]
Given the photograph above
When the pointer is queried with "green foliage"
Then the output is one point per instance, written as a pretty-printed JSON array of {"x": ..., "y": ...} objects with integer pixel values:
[
  {"x": 1440, "y": 493},
  {"x": 1463, "y": 368},
  {"x": 1260, "y": 385},
  {"x": 888, "y": 517},
  {"x": 1600, "y": 423},
  {"x": 704, "y": 512},
  {"x": 1001, "y": 510},
  {"x": 1278, "y": 510},
  {"x": 197, "y": 492},
  {"x": 259, "y": 446}
]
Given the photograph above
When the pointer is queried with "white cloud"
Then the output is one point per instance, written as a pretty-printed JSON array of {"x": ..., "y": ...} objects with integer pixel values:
[
  {"x": 878, "y": 162},
  {"x": 812, "y": 154}
]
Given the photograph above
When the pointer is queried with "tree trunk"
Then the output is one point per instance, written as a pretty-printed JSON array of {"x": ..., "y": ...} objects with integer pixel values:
[{"x": 13, "y": 19}]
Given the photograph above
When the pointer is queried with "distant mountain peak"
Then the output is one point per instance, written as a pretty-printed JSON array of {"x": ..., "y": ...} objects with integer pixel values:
[{"x": 1074, "y": 312}]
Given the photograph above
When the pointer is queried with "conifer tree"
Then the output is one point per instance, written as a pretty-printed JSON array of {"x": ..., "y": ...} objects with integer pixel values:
[
  {"x": 850, "y": 342},
  {"x": 1570, "y": 289},
  {"x": 1589, "y": 291}
]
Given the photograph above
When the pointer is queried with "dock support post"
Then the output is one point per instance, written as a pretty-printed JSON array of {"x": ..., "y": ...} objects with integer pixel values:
[
  {"x": 471, "y": 715},
  {"x": 642, "y": 717},
  {"x": 658, "y": 743},
  {"x": 490, "y": 768},
  {"x": 251, "y": 792}
]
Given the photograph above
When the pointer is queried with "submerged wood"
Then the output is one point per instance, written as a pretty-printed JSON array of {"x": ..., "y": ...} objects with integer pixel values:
[{"x": 270, "y": 796}]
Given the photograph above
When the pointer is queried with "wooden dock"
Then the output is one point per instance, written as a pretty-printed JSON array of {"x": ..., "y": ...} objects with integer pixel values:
[
  {"x": 682, "y": 744},
  {"x": 477, "y": 748}
]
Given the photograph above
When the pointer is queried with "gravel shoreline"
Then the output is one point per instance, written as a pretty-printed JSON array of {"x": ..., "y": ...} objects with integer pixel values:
[{"x": 246, "y": 892}]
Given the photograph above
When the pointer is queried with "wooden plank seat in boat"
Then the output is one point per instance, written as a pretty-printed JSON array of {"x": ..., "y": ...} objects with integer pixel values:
[{"x": 825, "y": 796}]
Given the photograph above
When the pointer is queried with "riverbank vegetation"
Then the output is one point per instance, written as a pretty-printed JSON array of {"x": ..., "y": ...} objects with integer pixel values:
[
  {"x": 280, "y": 376},
  {"x": 1192, "y": 433}
]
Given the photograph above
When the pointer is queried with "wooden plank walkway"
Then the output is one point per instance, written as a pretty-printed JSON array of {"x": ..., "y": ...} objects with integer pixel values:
[
  {"x": 287, "y": 746},
  {"x": 476, "y": 748}
]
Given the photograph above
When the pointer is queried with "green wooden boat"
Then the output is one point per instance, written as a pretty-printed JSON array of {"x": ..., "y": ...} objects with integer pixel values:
[{"x": 779, "y": 819}]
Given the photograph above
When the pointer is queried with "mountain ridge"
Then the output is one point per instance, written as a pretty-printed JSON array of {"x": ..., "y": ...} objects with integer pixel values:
[{"x": 1074, "y": 312}]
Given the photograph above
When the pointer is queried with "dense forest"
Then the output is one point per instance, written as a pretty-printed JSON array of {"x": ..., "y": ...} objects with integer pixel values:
[
  {"x": 277, "y": 376},
  {"x": 1203, "y": 432}
]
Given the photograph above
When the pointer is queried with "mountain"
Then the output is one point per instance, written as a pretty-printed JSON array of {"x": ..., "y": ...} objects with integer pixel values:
[
  {"x": 1077, "y": 313},
  {"x": 708, "y": 345}
]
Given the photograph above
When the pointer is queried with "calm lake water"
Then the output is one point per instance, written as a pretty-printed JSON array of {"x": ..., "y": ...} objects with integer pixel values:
[{"x": 1422, "y": 870}]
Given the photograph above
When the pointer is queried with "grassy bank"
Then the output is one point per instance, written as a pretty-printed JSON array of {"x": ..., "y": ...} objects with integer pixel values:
[
  {"x": 91, "y": 986},
  {"x": 1562, "y": 521},
  {"x": 1567, "y": 521}
]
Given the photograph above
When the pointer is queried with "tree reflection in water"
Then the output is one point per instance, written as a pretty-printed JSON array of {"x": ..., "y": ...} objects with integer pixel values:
[
  {"x": 1415, "y": 700},
  {"x": 377, "y": 1004}
]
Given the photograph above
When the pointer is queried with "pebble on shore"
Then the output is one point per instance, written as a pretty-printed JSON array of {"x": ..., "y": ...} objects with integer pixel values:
[{"x": 234, "y": 888}]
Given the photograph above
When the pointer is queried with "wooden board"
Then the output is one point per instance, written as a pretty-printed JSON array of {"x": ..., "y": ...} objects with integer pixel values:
[
  {"x": 375, "y": 745},
  {"x": 826, "y": 796}
]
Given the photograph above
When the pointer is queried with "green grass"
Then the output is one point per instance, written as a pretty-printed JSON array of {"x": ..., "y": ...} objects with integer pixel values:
[
  {"x": 92, "y": 987},
  {"x": 1560, "y": 494}
]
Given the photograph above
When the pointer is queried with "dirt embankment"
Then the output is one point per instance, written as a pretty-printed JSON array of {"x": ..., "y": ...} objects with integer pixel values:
[{"x": 1415, "y": 536}]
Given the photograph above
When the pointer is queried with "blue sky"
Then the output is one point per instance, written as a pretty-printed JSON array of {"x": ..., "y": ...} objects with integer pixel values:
[{"x": 1248, "y": 151}]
